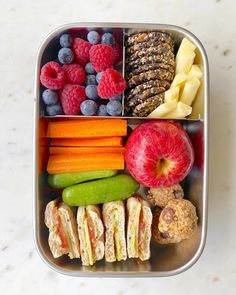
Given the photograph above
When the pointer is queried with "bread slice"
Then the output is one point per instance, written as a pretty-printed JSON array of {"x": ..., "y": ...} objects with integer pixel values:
[
  {"x": 138, "y": 228},
  {"x": 91, "y": 234},
  {"x": 114, "y": 222},
  {"x": 63, "y": 237}
]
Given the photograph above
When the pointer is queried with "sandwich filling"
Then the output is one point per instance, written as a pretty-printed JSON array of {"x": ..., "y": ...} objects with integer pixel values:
[
  {"x": 62, "y": 238},
  {"x": 133, "y": 228},
  {"x": 91, "y": 231},
  {"x": 59, "y": 228},
  {"x": 145, "y": 222},
  {"x": 68, "y": 226},
  {"x": 138, "y": 228},
  {"x": 114, "y": 221}
]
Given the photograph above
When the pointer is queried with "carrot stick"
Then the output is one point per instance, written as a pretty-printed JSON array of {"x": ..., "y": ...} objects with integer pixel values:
[
  {"x": 87, "y": 128},
  {"x": 105, "y": 141},
  {"x": 85, "y": 162},
  {"x": 85, "y": 150}
]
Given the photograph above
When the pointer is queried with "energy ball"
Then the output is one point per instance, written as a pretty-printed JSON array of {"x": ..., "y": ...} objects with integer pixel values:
[
  {"x": 176, "y": 222},
  {"x": 160, "y": 196}
]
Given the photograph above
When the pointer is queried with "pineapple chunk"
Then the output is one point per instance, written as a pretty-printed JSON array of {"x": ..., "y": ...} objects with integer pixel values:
[
  {"x": 195, "y": 71},
  {"x": 172, "y": 94},
  {"x": 179, "y": 80},
  {"x": 184, "y": 60},
  {"x": 163, "y": 109},
  {"x": 186, "y": 44},
  {"x": 190, "y": 90},
  {"x": 182, "y": 110}
]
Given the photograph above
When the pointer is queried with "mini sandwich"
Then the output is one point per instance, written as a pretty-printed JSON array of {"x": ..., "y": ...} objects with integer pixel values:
[
  {"x": 91, "y": 234},
  {"x": 138, "y": 228},
  {"x": 114, "y": 222},
  {"x": 63, "y": 237}
]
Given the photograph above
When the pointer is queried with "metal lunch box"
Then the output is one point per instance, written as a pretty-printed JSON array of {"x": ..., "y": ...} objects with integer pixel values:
[{"x": 166, "y": 260}]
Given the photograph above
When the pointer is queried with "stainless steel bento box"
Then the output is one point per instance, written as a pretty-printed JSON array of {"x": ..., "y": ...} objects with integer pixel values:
[{"x": 166, "y": 260}]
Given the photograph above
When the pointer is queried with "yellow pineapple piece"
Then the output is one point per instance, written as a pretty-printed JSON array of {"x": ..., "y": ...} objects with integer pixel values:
[
  {"x": 179, "y": 80},
  {"x": 190, "y": 90},
  {"x": 195, "y": 71},
  {"x": 163, "y": 109},
  {"x": 182, "y": 110},
  {"x": 184, "y": 60},
  {"x": 185, "y": 56},
  {"x": 186, "y": 44},
  {"x": 172, "y": 94}
]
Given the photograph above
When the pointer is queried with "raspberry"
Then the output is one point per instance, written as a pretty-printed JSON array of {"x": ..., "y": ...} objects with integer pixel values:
[
  {"x": 101, "y": 57},
  {"x": 111, "y": 84},
  {"x": 75, "y": 74},
  {"x": 71, "y": 97},
  {"x": 52, "y": 75},
  {"x": 81, "y": 50},
  {"x": 117, "y": 53}
]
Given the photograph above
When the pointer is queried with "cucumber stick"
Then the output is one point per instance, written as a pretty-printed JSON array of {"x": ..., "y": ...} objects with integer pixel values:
[
  {"x": 114, "y": 188},
  {"x": 66, "y": 179}
]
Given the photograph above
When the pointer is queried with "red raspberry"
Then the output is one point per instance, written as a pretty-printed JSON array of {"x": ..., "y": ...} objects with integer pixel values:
[
  {"x": 52, "y": 75},
  {"x": 75, "y": 74},
  {"x": 117, "y": 53},
  {"x": 101, "y": 57},
  {"x": 71, "y": 97},
  {"x": 81, "y": 50},
  {"x": 111, "y": 84}
]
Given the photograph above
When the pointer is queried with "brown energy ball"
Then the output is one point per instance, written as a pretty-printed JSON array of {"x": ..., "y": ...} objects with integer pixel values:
[
  {"x": 160, "y": 196},
  {"x": 157, "y": 236},
  {"x": 176, "y": 222}
]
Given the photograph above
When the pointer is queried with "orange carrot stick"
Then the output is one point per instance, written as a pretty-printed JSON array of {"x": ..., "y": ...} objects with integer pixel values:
[
  {"x": 87, "y": 128},
  {"x": 85, "y": 150},
  {"x": 85, "y": 162},
  {"x": 105, "y": 141}
]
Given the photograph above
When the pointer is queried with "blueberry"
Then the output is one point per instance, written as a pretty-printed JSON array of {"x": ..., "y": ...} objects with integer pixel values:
[
  {"x": 49, "y": 97},
  {"x": 65, "y": 55},
  {"x": 102, "y": 110},
  {"x": 89, "y": 68},
  {"x": 65, "y": 40},
  {"x": 108, "y": 30},
  {"x": 91, "y": 92},
  {"x": 93, "y": 37},
  {"x": 114, "y": 108},
  {"x": 108, "y": 39},
  {"x": 99, "y": 76},
  {"x": 117, "y": 97},
  {"x": 88, "y": 107},
  {"x": 90, "y": 80},
  {"x": 54, "y": 110}
]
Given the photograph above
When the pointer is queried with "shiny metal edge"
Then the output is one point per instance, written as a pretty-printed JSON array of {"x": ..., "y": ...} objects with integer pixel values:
[{"x": 198, "y": 253}]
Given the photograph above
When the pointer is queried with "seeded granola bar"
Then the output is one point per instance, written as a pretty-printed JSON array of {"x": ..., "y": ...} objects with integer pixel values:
[
  {"x": 146, "y": 85},
  {"x": 149, "y": 105},
  {"x": 146, "y": 36},
  {"x": 159, "y": 74},
  {"x": 148, "y": 67},
  {"x": 167, "y": 58},
  {"x": 161, "y": 48},
  {"x": 139, "y": 98}
]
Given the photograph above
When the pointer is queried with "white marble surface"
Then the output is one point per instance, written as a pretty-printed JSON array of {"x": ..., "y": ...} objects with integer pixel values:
[{"x": 23, "y": 25}]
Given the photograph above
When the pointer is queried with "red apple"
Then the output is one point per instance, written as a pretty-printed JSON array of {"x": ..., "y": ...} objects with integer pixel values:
[{"x": 159, "y": 153}]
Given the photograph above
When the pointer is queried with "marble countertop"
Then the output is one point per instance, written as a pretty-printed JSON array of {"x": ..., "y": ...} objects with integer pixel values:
[{"x": 23, "y": 25}]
